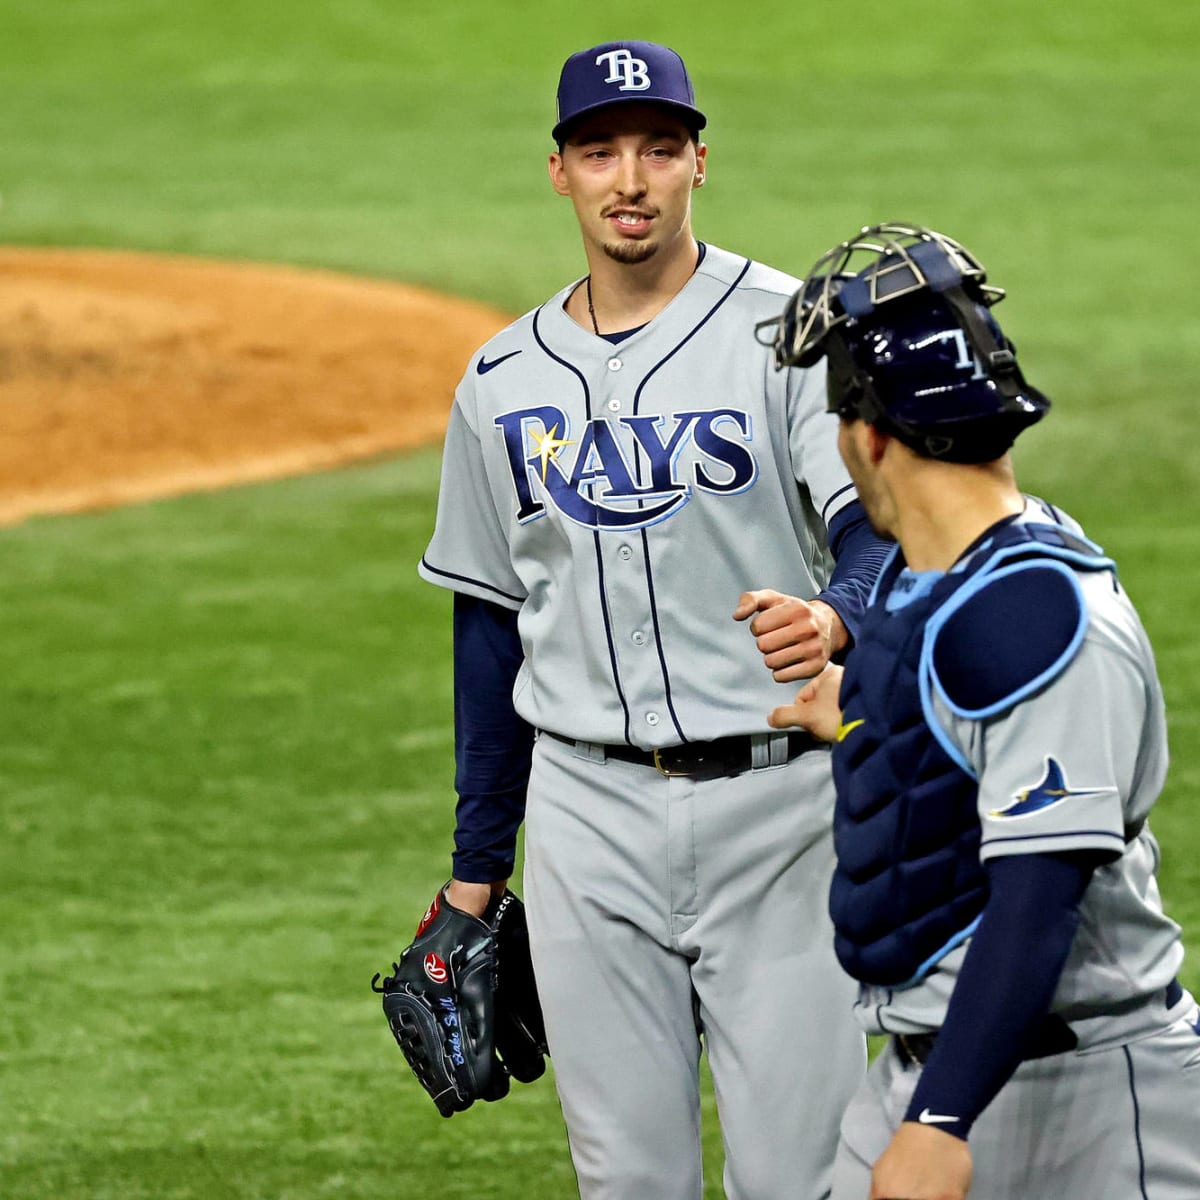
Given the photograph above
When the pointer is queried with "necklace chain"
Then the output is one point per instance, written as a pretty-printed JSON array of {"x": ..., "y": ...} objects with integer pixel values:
[{"x": 591, "y": 309}]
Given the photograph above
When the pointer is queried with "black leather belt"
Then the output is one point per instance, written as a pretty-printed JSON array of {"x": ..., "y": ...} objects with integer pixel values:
[
  {"x": 1053, "y": 1036},
  {"x": 702, "y": 760}
]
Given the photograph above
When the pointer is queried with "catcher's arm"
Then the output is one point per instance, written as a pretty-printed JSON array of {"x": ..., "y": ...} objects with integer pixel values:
[{"x": 815, "y": 708}]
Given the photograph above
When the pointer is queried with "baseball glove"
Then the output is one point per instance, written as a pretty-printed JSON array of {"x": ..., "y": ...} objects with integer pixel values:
[{"x": 463, "y": 1006}]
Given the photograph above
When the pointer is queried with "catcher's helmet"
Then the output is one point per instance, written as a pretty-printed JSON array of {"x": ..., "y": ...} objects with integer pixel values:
[{"x": 911, "y": 344}]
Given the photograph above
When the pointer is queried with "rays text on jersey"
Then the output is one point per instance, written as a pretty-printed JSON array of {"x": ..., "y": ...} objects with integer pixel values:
[{"x": 626, "y": 472}]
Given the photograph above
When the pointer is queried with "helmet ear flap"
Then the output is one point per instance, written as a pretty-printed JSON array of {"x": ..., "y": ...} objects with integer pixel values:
[
  {"x": 839, "y": 393},
  {"x": 848, "y": 388},
  {"x": 810, "y": 357}
]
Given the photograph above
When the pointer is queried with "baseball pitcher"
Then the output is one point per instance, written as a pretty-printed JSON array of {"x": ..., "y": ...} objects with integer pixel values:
[{"x": 622, "y": 466}]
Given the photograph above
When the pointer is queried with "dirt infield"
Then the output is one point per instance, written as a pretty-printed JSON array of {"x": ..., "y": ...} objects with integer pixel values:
[{"x": 126, "y": 377}]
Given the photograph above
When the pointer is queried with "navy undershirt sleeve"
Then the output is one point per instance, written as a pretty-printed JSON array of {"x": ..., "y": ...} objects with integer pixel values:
[
  {"x": 492, "y": 744},
  {"x": 858, "y": 558},
  {"x": 1006, "y": 984}
]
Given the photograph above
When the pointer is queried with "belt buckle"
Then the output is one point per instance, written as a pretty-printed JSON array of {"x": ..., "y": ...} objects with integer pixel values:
[{"x": 662, "y": 769}]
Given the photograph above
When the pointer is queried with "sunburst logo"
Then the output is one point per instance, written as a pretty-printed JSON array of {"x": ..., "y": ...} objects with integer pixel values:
[{"x": 548, "y": 445}]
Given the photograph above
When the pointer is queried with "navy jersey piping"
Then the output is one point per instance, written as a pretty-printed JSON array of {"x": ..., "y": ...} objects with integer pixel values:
[
  {"x": 1001, "y": 839},
  {"x": 608, "y": 631},
  {"x": 471, "y": 580},
  {"x": 658, "y": 642},
  {"x": 637, "y": 397},
  {"x": 1137, "y": 1122},
  {"x": 562, "y": 362},
  {"x": 695, "y": 330},
  {"x": 849, "y": 487}
]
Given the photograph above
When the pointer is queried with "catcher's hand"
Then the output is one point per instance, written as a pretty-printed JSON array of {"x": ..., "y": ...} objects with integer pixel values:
[{"x": 462, "y": 1004}]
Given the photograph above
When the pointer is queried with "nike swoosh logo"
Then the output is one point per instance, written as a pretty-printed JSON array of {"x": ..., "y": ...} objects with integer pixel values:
[
  {"x": 844, "y": 731},
  {"x": 928, "y": 1118},
  {"x": 484, "y": 366}
]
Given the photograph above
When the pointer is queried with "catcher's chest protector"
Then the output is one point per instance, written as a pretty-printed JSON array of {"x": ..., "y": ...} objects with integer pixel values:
[
  {"x": 909, "y": 885},
  {"x": 908, "y": 881}
]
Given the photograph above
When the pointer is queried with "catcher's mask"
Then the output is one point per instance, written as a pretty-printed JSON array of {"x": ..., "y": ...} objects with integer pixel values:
[{"x": 901, "y": 312}]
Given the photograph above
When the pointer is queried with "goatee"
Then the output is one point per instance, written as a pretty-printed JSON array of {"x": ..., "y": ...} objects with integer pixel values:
[{"x": 630, "y": 252}]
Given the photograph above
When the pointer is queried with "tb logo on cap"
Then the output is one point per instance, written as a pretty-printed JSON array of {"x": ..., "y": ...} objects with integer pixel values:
[{"x": 623, "y": 66}]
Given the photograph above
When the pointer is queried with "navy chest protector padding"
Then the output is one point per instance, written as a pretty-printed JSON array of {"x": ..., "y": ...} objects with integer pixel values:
[
  {"x": 908, "y": 876},
  {"x": 909, "y": 885},
  {"x": 1005, "y": 638}
]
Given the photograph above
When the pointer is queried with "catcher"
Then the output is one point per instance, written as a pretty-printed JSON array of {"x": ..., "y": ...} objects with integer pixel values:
[
  {"x": 462, "y": 1003},
  {"x": 999, "y": 742}
]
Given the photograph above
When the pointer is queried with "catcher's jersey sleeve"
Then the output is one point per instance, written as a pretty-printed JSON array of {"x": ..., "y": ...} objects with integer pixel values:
[{"x": 1078, "y": 764}]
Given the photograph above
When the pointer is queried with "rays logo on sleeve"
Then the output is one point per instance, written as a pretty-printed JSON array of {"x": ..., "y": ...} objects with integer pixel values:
[
  {"x": 626, "y": 472},
  {"x": 1050, "y": 790}
]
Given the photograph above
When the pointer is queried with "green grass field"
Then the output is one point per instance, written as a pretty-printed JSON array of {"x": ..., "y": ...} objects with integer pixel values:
[{"x": 225, "y": 745}]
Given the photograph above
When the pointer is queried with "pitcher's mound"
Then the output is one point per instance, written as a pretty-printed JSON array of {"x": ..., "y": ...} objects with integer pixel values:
[{"x": 131, "y": 376}]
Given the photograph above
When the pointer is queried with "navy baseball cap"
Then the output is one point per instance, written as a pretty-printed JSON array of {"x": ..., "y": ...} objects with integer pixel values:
[{"x": 619, "y": 72}]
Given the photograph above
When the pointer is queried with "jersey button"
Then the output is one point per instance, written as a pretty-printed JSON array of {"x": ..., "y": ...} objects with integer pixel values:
[
  {"x": 637, "y": 637},
  {"x": 614, "y": 364},
  {"x": 625, "y": 553},
  {"x": 652, "y": 718},
  {"x": 614, "y": 406}
]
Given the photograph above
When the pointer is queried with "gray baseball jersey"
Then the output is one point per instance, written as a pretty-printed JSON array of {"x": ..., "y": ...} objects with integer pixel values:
[{"x": 621, "y": 497}]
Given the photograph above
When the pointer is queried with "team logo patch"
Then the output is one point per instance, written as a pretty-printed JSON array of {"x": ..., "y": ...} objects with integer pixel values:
[
  {"x": 628, "y": 472},
  {"x": 632, "y": 74},
  {"x": 435, "y": 968},
  {"x": 1050, "y": 790}
]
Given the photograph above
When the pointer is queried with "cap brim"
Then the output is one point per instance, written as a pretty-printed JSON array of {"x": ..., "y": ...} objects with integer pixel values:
[{"x": 693, "y": 118}]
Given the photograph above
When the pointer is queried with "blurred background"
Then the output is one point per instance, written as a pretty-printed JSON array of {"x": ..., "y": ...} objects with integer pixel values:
[{"x": 225, "y": 724}]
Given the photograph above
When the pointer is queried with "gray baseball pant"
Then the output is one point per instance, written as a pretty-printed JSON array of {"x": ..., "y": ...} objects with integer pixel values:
[{"x": 666, "y": 910}]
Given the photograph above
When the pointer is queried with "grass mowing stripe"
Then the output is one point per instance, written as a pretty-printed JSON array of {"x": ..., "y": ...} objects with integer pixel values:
[
  {"x": 227, "y": 781},
  {"x": 224, "y": 754},
  {"x": 211, "y": 845}
]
